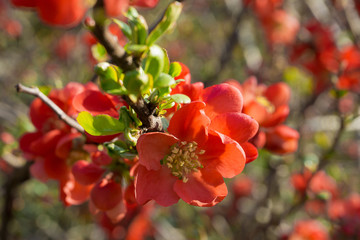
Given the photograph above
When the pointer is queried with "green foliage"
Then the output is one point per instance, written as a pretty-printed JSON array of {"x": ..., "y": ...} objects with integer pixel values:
[
  {"x": 100, "y": 125},
  {"x": 167, "y": 23},
  {"x": 175, "y": 69},
  {"x": 99, "y": 52}
]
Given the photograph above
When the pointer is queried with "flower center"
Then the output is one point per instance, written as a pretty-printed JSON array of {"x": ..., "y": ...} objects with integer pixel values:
[
  {"x": 266, "y": 103},
  {"x": 183, "y": 159}
]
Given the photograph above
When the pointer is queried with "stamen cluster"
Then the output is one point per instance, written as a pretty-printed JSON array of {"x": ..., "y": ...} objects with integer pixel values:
[{"x": 183, "y": 159}]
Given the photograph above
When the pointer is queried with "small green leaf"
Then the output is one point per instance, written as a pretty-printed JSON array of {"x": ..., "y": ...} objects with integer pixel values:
[
  {"x": 154, "y": 63},
  {"x": 175, "y": 69},
  {"x": 137, "y": 82},
  {"x": 124, "y": 28},
  {"x": 109, "y": 75},
  {"x": 99, "y": 52},
  {"x": 100, "y": 125},
  {"x": 167, "y": 23},
  {"x": 164, "y": 80},
  {"x": 45, "y": 90},
  {"x": 136, "y": 48},
  {"x": 180, "y": 98}
]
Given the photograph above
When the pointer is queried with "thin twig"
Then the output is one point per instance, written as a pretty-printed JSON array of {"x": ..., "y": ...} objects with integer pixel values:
[{"x": 61, "y": 114}]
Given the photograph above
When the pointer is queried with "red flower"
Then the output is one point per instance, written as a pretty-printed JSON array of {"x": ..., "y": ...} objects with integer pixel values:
[
  {"x": 268, "y": 105},
  {"x": 309, "y": 230},
  {"x": 70, "y": 13},
  {"x": 282, "y": 139},
  {"x": 189, "y": 162},
  {"x": 57, "y": 12}
]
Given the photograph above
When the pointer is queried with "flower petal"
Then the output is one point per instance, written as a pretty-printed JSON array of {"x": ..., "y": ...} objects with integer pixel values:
[
  {"x": 94, "y": 102},
  {"x": 205, "y": 188},
  {"x": 238, "y": 126},
  {"x": 278, "y": 94},
  {"x": 190, "y": 123},
  {"x": 223, "y": 154},
  {"x": 152, "y": 147},
  {"x": 250, "y": 150},
  {"x": 155, "y": 185},
  {"x": 222, "y": 98}
]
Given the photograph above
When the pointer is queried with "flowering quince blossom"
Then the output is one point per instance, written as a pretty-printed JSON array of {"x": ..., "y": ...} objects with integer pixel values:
[
  {"x": 188, "y": 162},
  {"x": 70, "y": 13},
  {"x": 346, "y": 212},
  {"x": 58, "y": 151},
  {"x": 309, "y": 230},
  {"x": 279, "y": 26},
  {"x": 224, "y": 104},
  {"x": 268, "y": 105}
]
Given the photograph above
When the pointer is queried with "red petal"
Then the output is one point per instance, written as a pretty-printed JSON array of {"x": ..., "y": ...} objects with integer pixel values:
[
  {"x": 86, "y": 173},
  {"x": 222, "y": 98},
  {"x": 117, "y": 213},
  {"x": 47, "y": 143},
  {"x": 189, "y": 123},
  {"x": 282, "y": 139},
  {"x": 204, "y": 188},
  {"x": 145, "y": 3},
  {"x": 24, "y": 3},
  {"x": 116, "y": 8},
  {"x": 185, "y": 74},
  {"x": 26, "y": 140},
  {"x": 37, "y": 170},
  {"x": 101, "y": 139},
  {"x": 94, "y": 102},
  {"x": 74, "y": 193},
  {"x": 56, "y": 168},
  {"x": 106, "y": 194},
  {"x": 155, "y": 185},
  {"x": 257, "y": 111},
  {"x": 152, "y": 147},
  {"x": 223, "y": 154},
  {"x": 279, "y": 116},
  {"x": 278, "y": 94},
  {"x": 65, "y": 144},
  {"x": 250, "y": 150},
  {"x": 61, "y": 13},
  {"x": 237, "y": 126},
  {"x": 100, "y": 158}
]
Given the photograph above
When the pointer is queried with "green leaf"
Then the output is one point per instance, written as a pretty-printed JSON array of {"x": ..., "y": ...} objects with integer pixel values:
[
  {"x": 99, "y": 52},
  {"x": 180, "y": 98},
  {"x": 109, "y": 75},
  {"x": 100, "y": 125},
  {"x": 136, "y": 48},
  {"x": 137, "y": 82},
  {"x": 124, "y": 28},
  {"x": 45, "y": 90},
  {"x": 154, "y": 63},
  {"x": 175, "y": 69},
  {"x": 164, "y": 80},
  {"x": 167, "y": 23}
]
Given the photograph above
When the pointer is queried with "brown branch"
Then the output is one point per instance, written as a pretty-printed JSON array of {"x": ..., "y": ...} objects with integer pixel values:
[
  {"x": 61, "y": 114},
  {"x": 14, "y": 180},
  {"x": 119, "y": 57}
]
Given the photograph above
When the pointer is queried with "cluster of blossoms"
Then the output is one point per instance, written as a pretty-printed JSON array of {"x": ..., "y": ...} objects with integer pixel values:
[
  {"x": 324, "y": 199},
  {"x": 269, "y": 106},
  {"x": 70, "y": 13},
  {"x": 280, "y": 27},
  {"x": 321, "y": 57}
]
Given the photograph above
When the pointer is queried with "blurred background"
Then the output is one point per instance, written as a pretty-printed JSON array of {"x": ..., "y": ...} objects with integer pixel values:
[{"x": 276, "y": 41}]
